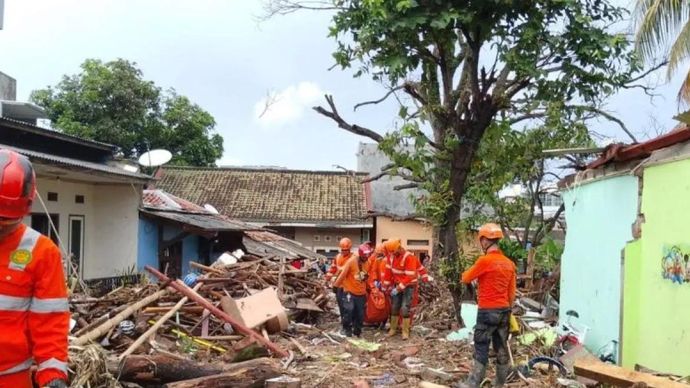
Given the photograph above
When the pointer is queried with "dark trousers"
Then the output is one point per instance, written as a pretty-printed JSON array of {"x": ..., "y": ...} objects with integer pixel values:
[
  {"x": 400, "y": 304},
  {"x": 354, "y": 307},
  {"x": 492, "y": 327},
  {"x": 339, "y": 293}
]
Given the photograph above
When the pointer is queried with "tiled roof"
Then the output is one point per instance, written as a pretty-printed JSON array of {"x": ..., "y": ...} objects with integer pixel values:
[{"x": 271, "y": 195}]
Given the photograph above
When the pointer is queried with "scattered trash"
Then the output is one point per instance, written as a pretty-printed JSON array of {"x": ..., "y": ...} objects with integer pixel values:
[
  {"x": 365, "y": 345},
  {"x": 469, "y": 313},
  {"x": 547, "y": 336},
  {"x": 384, "y": 381}
]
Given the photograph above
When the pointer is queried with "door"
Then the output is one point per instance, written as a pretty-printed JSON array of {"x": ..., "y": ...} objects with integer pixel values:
[
  {"x": 76, "y": 244},
  {"x": 170, "y": 260}
]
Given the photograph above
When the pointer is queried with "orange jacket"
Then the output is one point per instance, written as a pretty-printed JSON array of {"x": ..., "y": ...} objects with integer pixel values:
[
  {"x": 402, "y": 270},
  {"x": 34, "y": 311},
  {"x": 497, "y": 277},
  {"x": 422, "y": 273},
  {"x": 377, "y": 270},
  {"x": 350, "y": 277},
  {"x": 337, "y": 266}
]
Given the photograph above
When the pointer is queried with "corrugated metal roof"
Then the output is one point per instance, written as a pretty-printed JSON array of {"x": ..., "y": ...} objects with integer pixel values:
[
  {"x": 82, "y": 164},
  {"x": 264, "y": 243},
  {"x": 623, "y": 153},
  {"x": 207, "y": 222},
  {"x": 55, "y": 134}
]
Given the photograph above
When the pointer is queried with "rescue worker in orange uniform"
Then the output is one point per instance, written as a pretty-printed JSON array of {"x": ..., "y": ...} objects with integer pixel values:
[
  {"x": 334, "y": 270},
  {"x": 34, "y": 311},
  {"x": 402, "y": 275},
  {"x": 353, "y": 280},
  {"x": 377, "y": 273},
  {"x": 497, "y": 278}
]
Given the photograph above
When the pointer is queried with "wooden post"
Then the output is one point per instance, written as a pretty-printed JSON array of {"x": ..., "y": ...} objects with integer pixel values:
[{"x": 183, "y": 289}]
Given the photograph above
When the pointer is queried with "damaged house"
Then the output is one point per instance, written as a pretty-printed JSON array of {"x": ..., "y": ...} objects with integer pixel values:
[
  {"x": 314, "y": 208},
  {"x": 625, "y": 269}
]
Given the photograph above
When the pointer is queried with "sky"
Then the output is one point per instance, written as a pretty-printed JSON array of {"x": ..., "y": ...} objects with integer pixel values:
[{"x": 223, "y": 58}]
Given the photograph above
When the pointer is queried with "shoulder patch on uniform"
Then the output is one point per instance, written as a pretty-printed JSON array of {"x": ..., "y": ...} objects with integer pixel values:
[{"x": 20, "y": 258}]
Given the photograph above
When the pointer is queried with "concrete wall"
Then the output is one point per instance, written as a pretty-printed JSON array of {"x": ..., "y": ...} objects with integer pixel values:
[
  {"x": 387, "y": 228},
  {"x": 114, "y": 230},
  {"x": 8, "y": 85},
  {"x": 599, "y": 215},
  {"x": 657, "y": 318},
  {"x": 327, "y": 238}
]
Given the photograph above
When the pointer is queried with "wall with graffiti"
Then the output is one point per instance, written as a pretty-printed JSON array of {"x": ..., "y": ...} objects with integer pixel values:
[{"x": 675, "y": 263}]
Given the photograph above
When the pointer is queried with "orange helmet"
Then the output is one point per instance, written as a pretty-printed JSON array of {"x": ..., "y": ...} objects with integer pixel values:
[
  {"x": 379, "y": 250},
  {"x": 392, "y": 245},
  {"x": 345, "y": 244},
  {"x": 490, "y": 231}
]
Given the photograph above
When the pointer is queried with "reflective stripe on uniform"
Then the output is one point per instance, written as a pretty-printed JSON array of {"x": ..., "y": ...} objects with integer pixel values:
[
  {"x": 49, "y": 305},
  {"x": 53, "y": 363},
  {"x": 14, "y": 303},
  {"x": 29, "y": 240},
  {"x": 410, "y": 273},
  {"x": 18, "y": 368}
]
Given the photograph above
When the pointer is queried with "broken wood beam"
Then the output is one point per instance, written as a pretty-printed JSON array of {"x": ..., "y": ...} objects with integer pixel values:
[
  {"x": 158, "y": 369},
  {"x": 165, "y": 309},
  {"x": 615, "y": 375},
  {"x": 205, "y": 268},
  {"x": 193, "y": 295},
  {"x": 253, "y": 373},
  {"x": 114, "y": 321},
  {"x": 152, "y": 330}
]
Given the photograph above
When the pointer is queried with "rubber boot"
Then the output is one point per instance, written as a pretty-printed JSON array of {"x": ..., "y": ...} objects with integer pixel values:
[
  {"x": 406, "y": 328},
  {"x": 475, "y": 378},
  {"x": 394, "y": 326},
  {"x": 502, "y": 371}
]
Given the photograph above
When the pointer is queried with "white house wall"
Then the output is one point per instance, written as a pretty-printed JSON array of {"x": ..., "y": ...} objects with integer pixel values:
[{"x": 110, "y": 222}]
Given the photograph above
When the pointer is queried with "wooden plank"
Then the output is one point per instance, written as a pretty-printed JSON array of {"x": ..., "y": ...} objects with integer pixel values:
[{"x": 615, "y": 375}]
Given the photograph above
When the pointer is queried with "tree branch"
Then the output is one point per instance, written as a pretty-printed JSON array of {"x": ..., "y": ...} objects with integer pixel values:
[
  {"x": 382, "y": 99},
  {"x": 406, "y": 186},
  {"x": 528, "y": 116},
  {"x": 335, "y": 116},
  {"x": 286, "y": 7},
  {"x": 607, "y": 116}
]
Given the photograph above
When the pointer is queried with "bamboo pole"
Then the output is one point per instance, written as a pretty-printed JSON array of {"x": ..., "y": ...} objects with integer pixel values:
[
  {"x": 152, "y": 330},
  {"x": 193, "y": 295},
  {"x": 112, "y": 322}
]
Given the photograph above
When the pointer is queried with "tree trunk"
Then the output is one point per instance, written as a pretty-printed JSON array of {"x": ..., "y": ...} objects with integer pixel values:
[
  {"x": 159, "y": 369},
  {"x": 250, "y": 374}
]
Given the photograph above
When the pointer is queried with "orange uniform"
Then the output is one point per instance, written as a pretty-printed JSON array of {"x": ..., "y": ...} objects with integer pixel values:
[
  {"x": 377, "y": 269},
  {"x": 402, "y": 270},
  {"x": 34, "y": 311},
  {"x": 337, "y": 266},
  {"x": 350, "y": 278},
  {"x": 497, "y": 277}
]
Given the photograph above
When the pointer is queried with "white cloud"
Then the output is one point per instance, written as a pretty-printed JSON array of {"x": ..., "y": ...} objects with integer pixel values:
[{"x": 287, "y": 105}]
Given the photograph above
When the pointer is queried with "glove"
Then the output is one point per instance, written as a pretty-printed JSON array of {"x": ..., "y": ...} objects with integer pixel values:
[
  {"x": 395, "y": 291},
  {"x": 430, "y": 279},
  {"x": 377, "y": 284},
  {"x": 56, "y": 384}
]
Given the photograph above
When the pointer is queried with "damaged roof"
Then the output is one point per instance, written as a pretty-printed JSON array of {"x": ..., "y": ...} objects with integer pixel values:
[
  {"x": 623, "y": 153},
  {"x": 264, "y": 243},
  {"x": 272, "y": 195},
  {"x": 157, "y": 203}
]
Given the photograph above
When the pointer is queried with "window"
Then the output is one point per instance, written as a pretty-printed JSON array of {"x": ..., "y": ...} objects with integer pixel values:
[
  {"x": 417, "y": 242},
  {"x": 78, "y": 199},
  {"x": 327, "y": 238},
  {"x": 548, "y": 199},
  {"x": 366, "y": 235},
  {"x": 52, "y": 197},
  {"x": 76, "y": 242},
  {"x": 317, "y": 237},
  {"x": 41, "y": 224}
]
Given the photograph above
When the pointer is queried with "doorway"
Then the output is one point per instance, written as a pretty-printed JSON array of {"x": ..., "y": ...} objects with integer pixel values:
[{"x": 170, "y": 260}]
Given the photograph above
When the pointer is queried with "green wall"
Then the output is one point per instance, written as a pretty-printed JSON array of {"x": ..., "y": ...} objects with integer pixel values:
[
  {"x": 599, "y": 215},
  {"x": 657, "y": 316}
]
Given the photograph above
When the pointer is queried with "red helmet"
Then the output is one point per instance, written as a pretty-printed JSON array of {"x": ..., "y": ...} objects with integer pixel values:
[
  {"x": 17, "y": 184},
  {"x": 365, "y": 250}
]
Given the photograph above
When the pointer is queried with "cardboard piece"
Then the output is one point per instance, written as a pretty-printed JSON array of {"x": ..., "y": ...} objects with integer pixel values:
[{"x": 254, "y": 310}]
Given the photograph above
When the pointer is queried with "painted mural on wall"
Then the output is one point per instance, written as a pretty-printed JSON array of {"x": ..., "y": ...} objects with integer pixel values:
[{"x": 675, "y": 263}]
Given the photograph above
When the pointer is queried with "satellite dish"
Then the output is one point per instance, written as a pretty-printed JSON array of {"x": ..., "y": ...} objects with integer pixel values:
[
  {"x": 155, "y": 158},
  {"x": 211, "y": 209}
]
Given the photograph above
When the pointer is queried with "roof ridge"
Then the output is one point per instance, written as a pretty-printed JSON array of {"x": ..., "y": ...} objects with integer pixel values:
[{"x": 264, "y": 169}]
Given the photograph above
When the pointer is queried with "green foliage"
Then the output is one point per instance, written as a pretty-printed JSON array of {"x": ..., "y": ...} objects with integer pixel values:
[
  {"x": 513, "y": 250},
  {"x": 112, "y": 103},
  {"x": 547, "y": 255}
]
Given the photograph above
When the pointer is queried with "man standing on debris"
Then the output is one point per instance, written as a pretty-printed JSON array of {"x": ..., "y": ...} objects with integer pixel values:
[
  {"x": 34, "y": 311},
  {"x": 496, "y": 275},
  {"x": 353, "y": 280},
  {"x": 334, "y": 271},
  {"x": 402, "y": 274}
]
